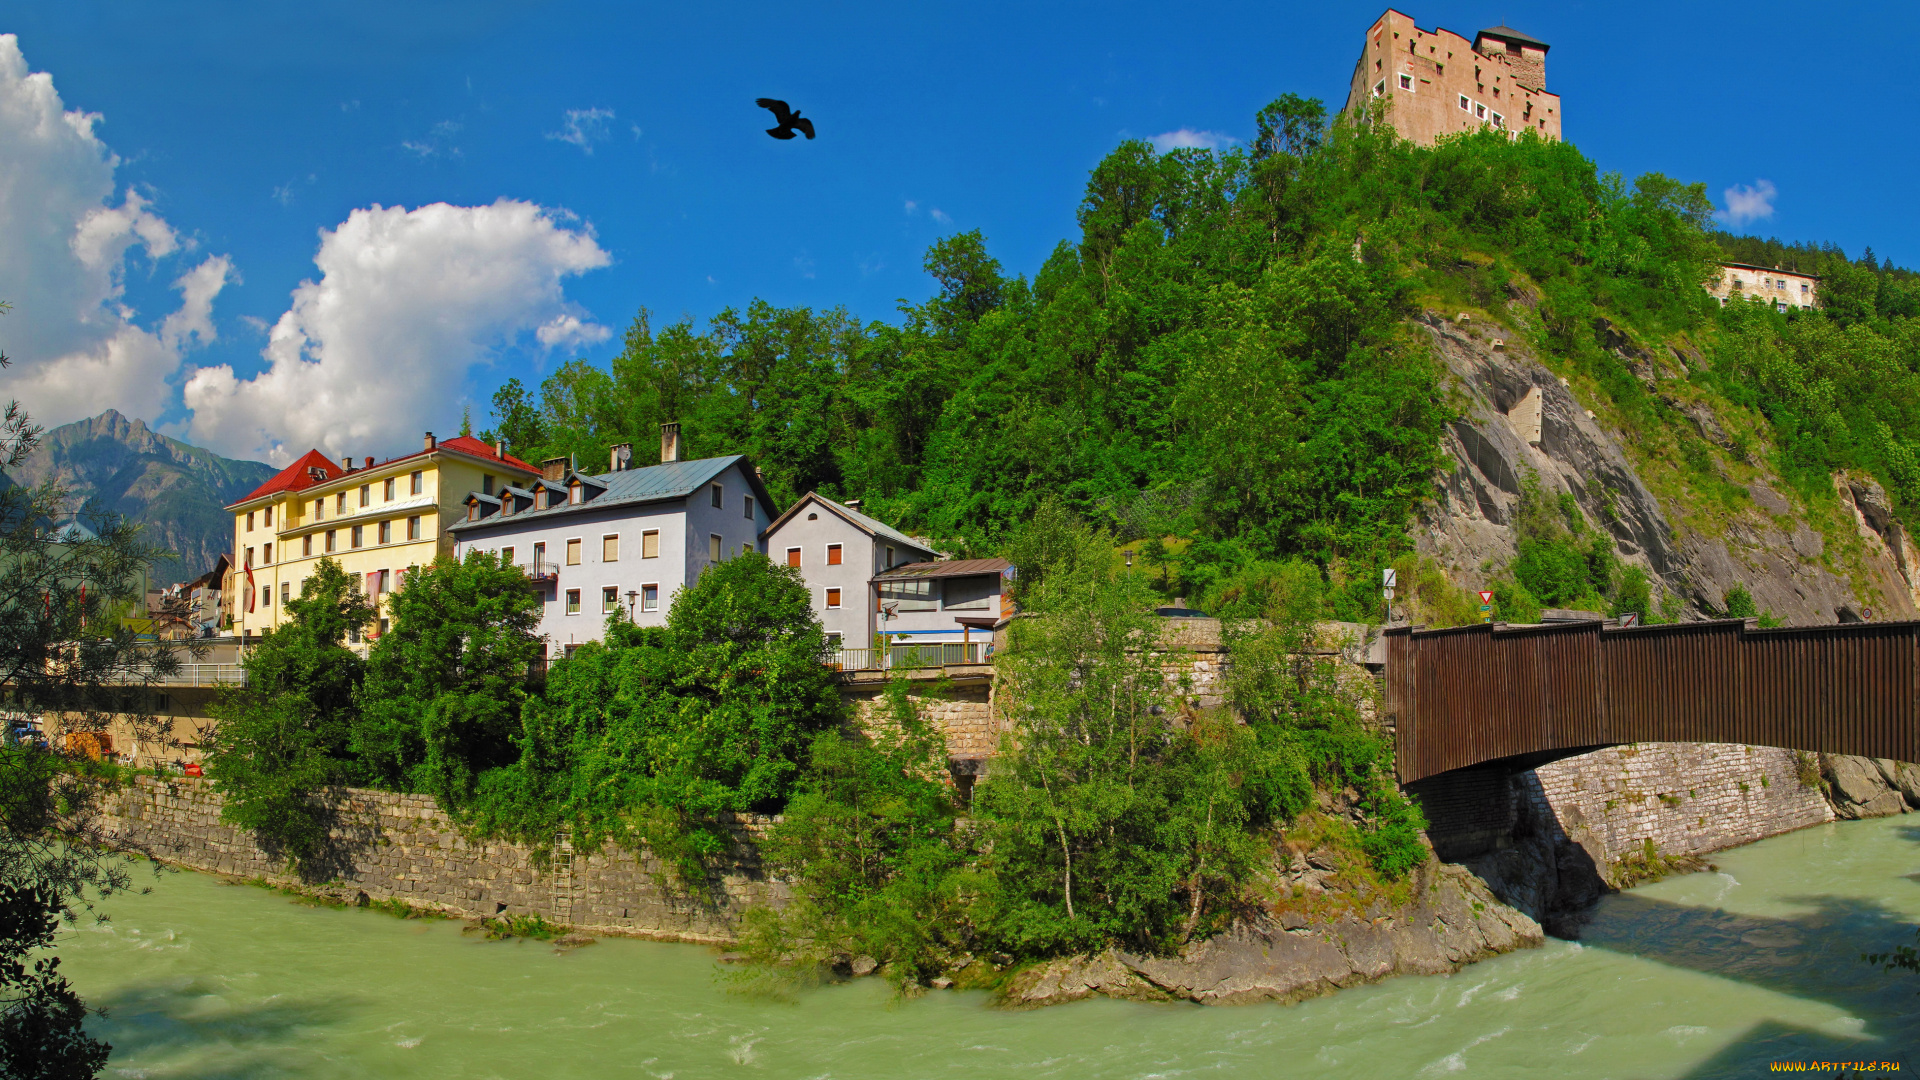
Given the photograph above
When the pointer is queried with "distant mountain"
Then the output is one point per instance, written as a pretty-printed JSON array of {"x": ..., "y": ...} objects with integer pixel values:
[{"x": 177, "y": 491}]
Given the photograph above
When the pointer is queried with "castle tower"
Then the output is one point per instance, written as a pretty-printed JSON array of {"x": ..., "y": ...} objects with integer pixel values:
[{"x": 1436, "y": 83}]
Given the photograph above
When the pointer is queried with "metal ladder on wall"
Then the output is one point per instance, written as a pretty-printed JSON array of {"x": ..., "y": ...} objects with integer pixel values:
[{"x": 564, "y": 880}]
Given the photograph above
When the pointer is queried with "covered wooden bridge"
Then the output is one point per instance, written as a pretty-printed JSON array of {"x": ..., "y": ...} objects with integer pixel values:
[{"x": 1527, "y": 695}]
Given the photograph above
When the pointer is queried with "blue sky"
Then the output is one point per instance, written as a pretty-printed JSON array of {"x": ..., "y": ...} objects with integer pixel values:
[{"x": 231, "y": 137}]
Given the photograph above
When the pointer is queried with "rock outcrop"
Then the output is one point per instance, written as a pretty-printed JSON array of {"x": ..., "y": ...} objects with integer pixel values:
[
  {"x": 1452, "y": 920},
  {"x": 1521, "y": 419},
  {"x": 1861, "y": 787}
]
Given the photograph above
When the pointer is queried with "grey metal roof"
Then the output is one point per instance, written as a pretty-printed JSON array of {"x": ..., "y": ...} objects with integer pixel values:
[
  {"x": 655, "y": 483},
  {"x": 870, "y": 526}
]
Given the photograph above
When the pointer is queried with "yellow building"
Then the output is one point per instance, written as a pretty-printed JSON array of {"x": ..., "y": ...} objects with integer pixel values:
[{"x": 375, "y": 520}]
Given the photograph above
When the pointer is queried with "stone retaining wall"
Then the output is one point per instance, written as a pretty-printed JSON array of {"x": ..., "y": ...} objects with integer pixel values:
[{"x": 402, "y": 847}]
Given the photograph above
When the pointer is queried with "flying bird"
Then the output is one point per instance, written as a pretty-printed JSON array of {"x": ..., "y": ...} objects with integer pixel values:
[{"x": 790, "y": 120}]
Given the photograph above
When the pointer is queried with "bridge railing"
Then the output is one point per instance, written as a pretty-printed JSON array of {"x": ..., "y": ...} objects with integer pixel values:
[{"x": 1466, "y": 695}]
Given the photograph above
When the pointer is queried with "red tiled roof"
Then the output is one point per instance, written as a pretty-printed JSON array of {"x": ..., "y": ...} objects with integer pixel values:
[{"x": 295, "y": 476}]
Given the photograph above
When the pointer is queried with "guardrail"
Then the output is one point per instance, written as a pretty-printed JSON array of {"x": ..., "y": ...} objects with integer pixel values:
[
  {"x": 908, "y": 656},
  {"x": 202, "y": 675}
]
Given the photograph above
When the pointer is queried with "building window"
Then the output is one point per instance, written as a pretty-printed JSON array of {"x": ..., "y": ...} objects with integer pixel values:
[
  {"x": 1479, "y": 111},
  {"x": 286, "y": 591},
  {"x": 714, "y": 549},
  {"x": 340, "y": 504},
  {"x": 319, "y": 509},
  {"x": 330, "y": 533},
  {"x": 1380, "y": 87},
  {"x": 833, "y": 598},
  {"x": 835, "y": 554},
  {"x": 650, "y": 544},
  {"x": 573, "y": 601},
  {"x": 359, "y": 532},
  {"x": 386, "y": 532},
  {"x": 609, "y": 599},
  {"x": 266, "y": 596},
  {"x": 610, "y": 548},
  {"x": 249, "y": 561},
  {"x": 1406, "y": 82},
  {"x": 1465, "y": 105},
  {"x": 383, "y": 582},
  {"x": 413, "y": 528},
  {"x": 418, "y": 482},
  {"x": 306, "y": 544},
  {"x": 1499, "y": 121},
  {"x": 573, "y": 494},
  {"x": 909, "y": 595},
  {"x": 540, "y": 559},
  {"x": 249, "y": 521},
  {"x": 366, "y": 494},
  {"x": 573, "y": 553},
  {"x": 719, "y": 496},
  {"x": 506, "y": 556},
  {"x": 486, "y": 485},
  {"x": 649, "y": 598},
  {"x": 267, "y": 515},
  {"x": 386, "y": 493},
  {"x": 889, "y": 558},
  {"x": 793, "y": 556},
  {"x": 383, "y": 627},
  {"x": 266, "y": 555},
  {"x": 749, "y": 505}
]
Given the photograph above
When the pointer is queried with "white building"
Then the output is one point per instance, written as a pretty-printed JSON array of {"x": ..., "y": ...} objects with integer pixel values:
[
  {"x": 625, "y": 540},
  {"x": 871, "y": 582},
  {"x": 1769, "y": 284}
]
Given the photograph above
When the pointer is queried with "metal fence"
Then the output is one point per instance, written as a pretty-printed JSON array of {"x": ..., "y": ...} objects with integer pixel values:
[
  {"x": 944, "y": 654},
  {"x": 1472, "y": 694},
  {"x": 202, "y": 675}
]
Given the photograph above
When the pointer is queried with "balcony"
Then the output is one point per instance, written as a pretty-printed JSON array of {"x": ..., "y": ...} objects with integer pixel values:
[{"x": 904, "y": 657}]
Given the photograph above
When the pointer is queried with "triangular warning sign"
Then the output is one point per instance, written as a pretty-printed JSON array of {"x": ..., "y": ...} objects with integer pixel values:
[{"x": 1486, "y": 596}]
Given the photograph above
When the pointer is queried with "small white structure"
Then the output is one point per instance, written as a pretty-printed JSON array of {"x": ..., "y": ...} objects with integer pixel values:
[
  {"x": 1783, "y": 289},
  {"x": 839, "y": 550},
  {"x": 625, "y": 540}
]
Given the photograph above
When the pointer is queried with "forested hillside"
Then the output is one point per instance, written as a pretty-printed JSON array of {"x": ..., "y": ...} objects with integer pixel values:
[{"x": 1224, "y": 363}]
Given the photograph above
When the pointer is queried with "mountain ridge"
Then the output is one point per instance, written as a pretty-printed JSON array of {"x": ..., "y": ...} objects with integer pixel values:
[{"x": 175, "y": 490}]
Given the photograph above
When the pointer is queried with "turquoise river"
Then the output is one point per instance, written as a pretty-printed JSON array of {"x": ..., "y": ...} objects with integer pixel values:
[{"x": 1707, "y": 975}]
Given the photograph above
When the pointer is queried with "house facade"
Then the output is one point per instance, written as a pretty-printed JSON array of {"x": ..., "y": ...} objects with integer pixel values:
[
  {"x": 940, "y": 603},
  {"x": 1783, "y": 289},
  {"x": 840, "y": 552},
  {"x": 375, "y": 519},
  {"x": 625, "y": 540}
]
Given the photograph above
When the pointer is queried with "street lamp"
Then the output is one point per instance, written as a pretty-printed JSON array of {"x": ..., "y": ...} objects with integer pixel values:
[{"x": 632, "y": 594}]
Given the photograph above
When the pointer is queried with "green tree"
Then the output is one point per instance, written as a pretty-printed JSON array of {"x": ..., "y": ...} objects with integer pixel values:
[
  {"x": 517, "y": 419},
  {"x": 68, "y": 664},
  {"x": 868, "y": 841},
  {"x": 443, "y": 690},
  {"x": 287, "y": 732},
  {"x": 661, "y": 735}
]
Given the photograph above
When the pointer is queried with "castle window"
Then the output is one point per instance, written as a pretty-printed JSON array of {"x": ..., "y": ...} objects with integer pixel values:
[
  {"x": 1379, "y": 88},
  {"x": 1465, "y": 105},
  {"x": 1406, "y": 82},
  {"x": 1479, "y": 111},
  {"x": 1498, "y": 121}
]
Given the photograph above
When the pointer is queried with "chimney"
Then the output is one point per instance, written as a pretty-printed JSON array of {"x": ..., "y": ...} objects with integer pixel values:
[
  {"x": 554, "y": 469},
  {"x": 346, "y": 463},
  {"x": 851, "y": 504},
  {"x": 500, "y": 449},
  {"x": 430, "y": 442},
  {"x": 369, "y": 463},
  {"x": 669, "y": 443},
  {"x": 621, "y": 457}
]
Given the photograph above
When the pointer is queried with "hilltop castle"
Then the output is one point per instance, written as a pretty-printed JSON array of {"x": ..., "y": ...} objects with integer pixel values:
[{"x": 1438, "y": 83}]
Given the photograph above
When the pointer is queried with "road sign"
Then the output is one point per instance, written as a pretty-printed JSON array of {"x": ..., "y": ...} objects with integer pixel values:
[
  {"x": 1486, "y": 596},
  {"x": 1389, "y": 577},
  {"x": 1387, "y": 592},
  {"x": 1631, "y": 618}
]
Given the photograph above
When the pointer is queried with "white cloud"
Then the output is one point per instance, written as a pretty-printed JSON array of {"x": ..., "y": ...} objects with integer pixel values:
[
  {"x": 584, "y": 127},
  {"x": 78, "y": 348},
  {"x": 379, "y": 347},
  {"x": 912, "y": 206},
  {"x": 1189, "y": 139},
  {"x": 1746, "y": 204},
  {"x": 940, "y": 216}
]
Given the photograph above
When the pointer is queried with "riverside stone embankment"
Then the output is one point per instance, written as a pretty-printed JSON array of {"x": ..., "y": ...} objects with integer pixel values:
[{"x": 385, "y": 846}]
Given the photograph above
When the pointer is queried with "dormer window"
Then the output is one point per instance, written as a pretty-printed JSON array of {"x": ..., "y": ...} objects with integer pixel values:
[
  {"x": 473, "y": 509},
  {"x": 574, "y": 493}
]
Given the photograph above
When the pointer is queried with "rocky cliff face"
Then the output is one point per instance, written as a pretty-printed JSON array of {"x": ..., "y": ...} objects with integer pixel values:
[
  {"x": 1734, "y": 523},
  {"x": 175, "y": 490}
]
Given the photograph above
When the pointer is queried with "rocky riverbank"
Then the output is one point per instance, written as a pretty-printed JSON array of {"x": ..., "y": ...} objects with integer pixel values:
[{"x": 1450, "y": 919}]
